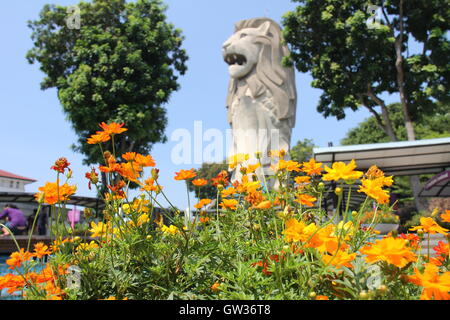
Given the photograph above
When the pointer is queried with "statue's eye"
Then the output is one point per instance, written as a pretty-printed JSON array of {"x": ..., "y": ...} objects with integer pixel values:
[{"x": 243, "y": 35}]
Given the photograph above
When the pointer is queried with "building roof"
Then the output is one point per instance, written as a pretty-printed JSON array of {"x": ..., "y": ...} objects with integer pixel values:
[
  {"x": 437, "y": 186},
  {"x": 26, "y": 197},
  {"x": 394, "y": 158},
  {"x": 6, "y": 174}
]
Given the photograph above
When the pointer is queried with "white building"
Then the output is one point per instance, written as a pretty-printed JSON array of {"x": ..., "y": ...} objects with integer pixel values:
[{"x": 10, "y": 182}]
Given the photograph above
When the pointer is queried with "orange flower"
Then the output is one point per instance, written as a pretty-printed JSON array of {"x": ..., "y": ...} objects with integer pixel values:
[
  {"x": 305, "y": 199},
  {"x": 185, "y": 174},
  {"x": 228, "y": 192},
  {"x": 298, "y": 231},
  {"x": 435, "y": 286},
  {"x": 99, "y": 137},
  {"x": 263, "y": 205},
  {"x": 40, "y": 250},
  {"x": 17, "y": 258},
  {"x": 312, "y": 167},
  {"x": 442, "y": 249},
  {"x": 129, "y": 156},
  {"x": 302, "y": 179},
  {"x": 145, "y": 161},
  {"x": 286, "y": 165},
  {"x": 229, "y": 204},
  {"x": 52, "y": 193},
  {"x": 215, "y": 286},
  {"x": 340, "y": 259},
  {"x": 202, "y": 203},
  {"x": 113, "y": 128},
  {"x": 199, "y": 182},
  {"x": 221, "y": 179},
  {"x": 392, "y": 250},
  {"x": 131, "y": 171},
  {"x": 149, "y": 185},
  {"x": 204, "y": 219},
  {"x": 428, "y": 225},
  {"x": 343, "y": 171},
  {"x": 446, "y": 216},
  {"x": 322, "y": 298},
  {"x": 277, "y": 153}
]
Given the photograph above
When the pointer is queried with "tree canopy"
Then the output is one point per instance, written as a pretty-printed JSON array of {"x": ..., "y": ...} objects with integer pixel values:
[
  {"x": 354, "y": 61},
  {"x": 121, "y": 64},
  {"x": 432, "y": 126},
  {"x": 358, "y": 53}
]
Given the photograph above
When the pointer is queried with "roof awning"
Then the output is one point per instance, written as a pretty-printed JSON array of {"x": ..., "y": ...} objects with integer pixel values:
[
  {"x": 394, "y": 158},
  {"x": 437, "y": 186},
  {"x": 25, "y": 197}
]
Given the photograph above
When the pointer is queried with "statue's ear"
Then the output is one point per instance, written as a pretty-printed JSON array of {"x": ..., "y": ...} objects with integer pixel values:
[{"x": 264, "y": 28}]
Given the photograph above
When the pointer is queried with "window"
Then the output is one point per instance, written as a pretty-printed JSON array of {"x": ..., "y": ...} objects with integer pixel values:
[
  {"x": 11, "y": 184},
  {"x": 17, "y": 185}
]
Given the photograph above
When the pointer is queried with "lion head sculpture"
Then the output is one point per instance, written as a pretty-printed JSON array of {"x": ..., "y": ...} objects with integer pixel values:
[{"x": 254, "y": 54}]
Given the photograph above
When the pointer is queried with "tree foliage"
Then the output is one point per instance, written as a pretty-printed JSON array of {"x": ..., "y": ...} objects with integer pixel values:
[
  {"x": 354, "y": 63},
  {"x": 121, "y": 65},
  {"x": 432, "y": 126},
  {"x": 302, "y": 151}
]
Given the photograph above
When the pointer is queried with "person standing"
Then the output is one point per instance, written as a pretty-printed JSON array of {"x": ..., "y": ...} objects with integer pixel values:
[{"x": 16, "y": 221}]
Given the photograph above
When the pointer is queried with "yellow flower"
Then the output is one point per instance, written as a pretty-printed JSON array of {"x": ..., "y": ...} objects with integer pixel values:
[
  {"x": 434, "y": 285},
  {"x": 428, "y": 225},
  {"x": 343, "y": 171},
  {"x": 237, "y": 159},
  {"x": 169, "y": 230},
  {"x": 372, "y": 188},
  {"x": 142, "y": 219},
  {"x": 392, "y": 250},
  {"x": 87, "y": 246},
  {"x": 99, "y": 229}
]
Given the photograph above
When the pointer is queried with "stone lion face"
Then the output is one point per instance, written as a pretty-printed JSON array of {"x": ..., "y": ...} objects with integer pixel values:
[{"x": 241, "y": 51}]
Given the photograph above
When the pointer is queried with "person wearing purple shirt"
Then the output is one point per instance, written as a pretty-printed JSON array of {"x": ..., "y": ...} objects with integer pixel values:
[{"x": 16, "y": 221}]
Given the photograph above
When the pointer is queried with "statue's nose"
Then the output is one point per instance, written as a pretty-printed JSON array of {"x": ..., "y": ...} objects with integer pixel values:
[{"x": 225, "y": 45}]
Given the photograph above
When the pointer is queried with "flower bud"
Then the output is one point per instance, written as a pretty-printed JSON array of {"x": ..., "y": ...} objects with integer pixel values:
[
  {"x": 155, "y": 174},
  {"x": 338, "y": 191},
  {"x": 312, "y": 294},
  {"x": 363, "y": 295}
]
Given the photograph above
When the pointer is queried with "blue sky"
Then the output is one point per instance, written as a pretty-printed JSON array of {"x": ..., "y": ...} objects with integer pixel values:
[{"x": 34, "y": 131}]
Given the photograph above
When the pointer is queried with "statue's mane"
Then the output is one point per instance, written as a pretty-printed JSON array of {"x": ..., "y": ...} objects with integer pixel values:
[{"x": 270, "y": 73}]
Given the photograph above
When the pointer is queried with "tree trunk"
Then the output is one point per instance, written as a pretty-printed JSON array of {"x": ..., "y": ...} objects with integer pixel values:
[{"x": 414, "y": 180}]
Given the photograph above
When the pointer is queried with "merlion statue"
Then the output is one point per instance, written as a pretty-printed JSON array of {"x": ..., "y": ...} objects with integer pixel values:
[{"x": 262, "y": 96}]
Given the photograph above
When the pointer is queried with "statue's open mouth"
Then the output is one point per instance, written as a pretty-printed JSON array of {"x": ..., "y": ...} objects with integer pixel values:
[{"x": 235, "y": 58}]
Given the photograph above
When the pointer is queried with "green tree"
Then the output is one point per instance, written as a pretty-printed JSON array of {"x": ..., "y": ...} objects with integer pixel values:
[
  {"x": 436, "y": 125},
  {"x": 355, "y": 61},
  {"x": 121, "y": 64},
  {"x": 302, "y": 151},
  {"x": 207, "y": 171}
]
